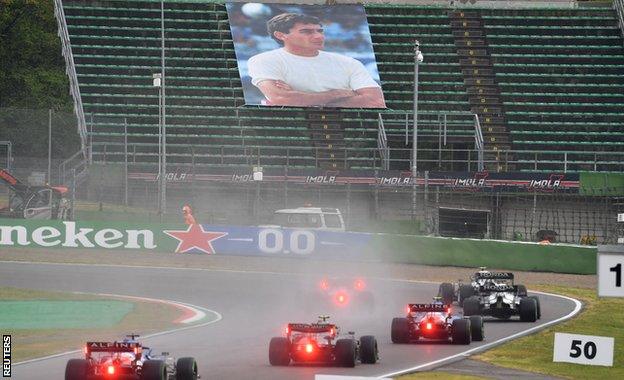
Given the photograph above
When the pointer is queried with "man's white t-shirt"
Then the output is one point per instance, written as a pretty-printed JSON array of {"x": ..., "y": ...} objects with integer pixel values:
[{"x": 324, "y": 72}]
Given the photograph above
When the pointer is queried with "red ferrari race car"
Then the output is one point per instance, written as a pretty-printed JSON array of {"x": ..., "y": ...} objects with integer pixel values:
[
  {"x": 336, "y": 293},
  {"x": 436, "y": 321},
  {"x": 321, "y": 343},
  {"x": 128, "y": 359}
]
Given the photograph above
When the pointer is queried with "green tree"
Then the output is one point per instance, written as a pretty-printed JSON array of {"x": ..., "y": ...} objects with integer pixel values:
[
  {"x": 32, "y": 76},
  {"x": 32, "y": 69}
]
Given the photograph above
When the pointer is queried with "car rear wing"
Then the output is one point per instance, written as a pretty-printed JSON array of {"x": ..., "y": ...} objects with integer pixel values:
[
  {"x": 427, "y": 308},
  {"x": 490, "y": 288},
  {"x": 113, "y": 347},
  {"x": 494, "y": 276},
  {"x": 311, "y": 327}
]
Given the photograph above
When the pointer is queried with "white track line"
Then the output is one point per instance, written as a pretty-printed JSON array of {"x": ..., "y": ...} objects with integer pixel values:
[
  {"x": 198, "y": 315},
  {"x": 577, "y": 309},
  {"x": 203, "y": 310}
]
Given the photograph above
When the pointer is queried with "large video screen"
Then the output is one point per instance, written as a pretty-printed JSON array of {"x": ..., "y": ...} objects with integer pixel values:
[{"x": 305, "y": 55}]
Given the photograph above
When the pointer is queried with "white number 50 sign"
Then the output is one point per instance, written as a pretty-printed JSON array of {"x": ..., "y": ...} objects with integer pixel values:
[{"x": 583, "y": 349}]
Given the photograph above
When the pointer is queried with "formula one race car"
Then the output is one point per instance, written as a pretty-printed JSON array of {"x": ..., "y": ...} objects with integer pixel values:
[
  {"x": 459, "y": 292},
  {"x": 128, "y": 359},
  {"x": 436, "y": 321},
  {"x": 340, "y": 292},
  {"x": 494, "y": 294},
  {"x": 320, "y": 343}
]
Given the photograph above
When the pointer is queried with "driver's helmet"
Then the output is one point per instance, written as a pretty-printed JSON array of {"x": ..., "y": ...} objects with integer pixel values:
[{"x": 437, "y": 301}]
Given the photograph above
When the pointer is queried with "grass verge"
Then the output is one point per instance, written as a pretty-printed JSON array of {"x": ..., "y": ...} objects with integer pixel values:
[
  {"x": 144, "y": 318},
  {"x": 534, "y": 353},
  {"x": 435, "y": 375}
]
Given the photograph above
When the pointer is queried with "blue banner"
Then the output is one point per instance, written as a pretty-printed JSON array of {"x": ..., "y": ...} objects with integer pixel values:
[{"x": 267, "y": 241}]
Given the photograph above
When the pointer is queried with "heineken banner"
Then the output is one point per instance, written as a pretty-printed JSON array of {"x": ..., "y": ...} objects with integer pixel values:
[
  {"x": 207, "y": 239},
  {"x": 460, "y": 181}
]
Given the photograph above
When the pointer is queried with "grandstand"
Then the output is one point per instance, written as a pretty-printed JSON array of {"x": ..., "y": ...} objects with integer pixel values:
[{"x": 546, "y": 83}]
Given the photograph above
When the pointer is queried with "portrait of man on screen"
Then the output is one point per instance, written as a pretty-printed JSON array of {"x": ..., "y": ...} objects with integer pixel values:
[{"x": 298, "y": 70}]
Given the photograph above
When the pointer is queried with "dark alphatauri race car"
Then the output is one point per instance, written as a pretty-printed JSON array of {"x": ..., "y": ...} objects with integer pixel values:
[
  {"x": 436, "y": 321},
  {"x": 128, "y": 359},
  {"x": 495, "y": 294},
  {"x": 321, "y": 343}
]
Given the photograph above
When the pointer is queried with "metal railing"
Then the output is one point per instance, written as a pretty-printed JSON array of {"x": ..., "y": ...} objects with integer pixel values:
[
  {"x": 9, "y": 154},
  {"x": 433, "y": 159},
  {"x": 479, "y": 142},
  {"x": 70, "y": 69},
  {"x": 382, "y": 145},
  {"x": 440, "y": 127},
  {"x": 75, "y": 169},
  {"x": 618, "y": 5}
]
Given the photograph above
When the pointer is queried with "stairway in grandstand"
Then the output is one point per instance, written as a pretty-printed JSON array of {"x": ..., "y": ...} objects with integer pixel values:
[
  {"x": 559, "y": 74},
  {"x": 328, "y": 138},
  {"x": 480, "y": 80}
]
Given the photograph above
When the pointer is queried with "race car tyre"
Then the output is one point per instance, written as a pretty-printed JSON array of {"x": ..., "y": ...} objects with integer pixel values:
[
  {"x": 399, "y": 331},
  {"x": 476, "y": 328},
  {"x": 76, "y": 369},
  {"x": 154, "y": 370},
  {"x": 447, "y": 292},
  {"x": 528, "y": 310},
  {"x": 522, "y": 291},
  {"x": 472, "y": 306},
  {"x": 369, "y": 351},
  {"x": 279, "y": 351},
  {"x": 460, "y": 333},
  {"x": 186, "y": 369},
  {"x": 465, "y": 291},
  {"x": 345, "y": 352},
  {"x": 539, "y": 309}
]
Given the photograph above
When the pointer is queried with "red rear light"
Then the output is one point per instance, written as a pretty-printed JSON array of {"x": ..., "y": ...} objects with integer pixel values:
[
  {"x": 360, "y": 285},
  {"x": 408, "y": 309},
  {"x": 324, "y": 285},
  {"x": 86, "y": 350},
  {"x": 110, "y": 370},
  {"x": 331, "y": 331},
  {"x": 287, "y": 330},
  {"x": 429, "y": 325},
  {"x": 309, "y": 348}
]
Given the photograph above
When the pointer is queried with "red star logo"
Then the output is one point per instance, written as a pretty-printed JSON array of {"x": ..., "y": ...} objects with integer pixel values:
[{"x": 195, "y": 238}]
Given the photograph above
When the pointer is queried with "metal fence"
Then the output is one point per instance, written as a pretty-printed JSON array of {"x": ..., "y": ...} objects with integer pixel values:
[
  {"x": 37, "y": 140},
  {"x": 587, "y": 218},
  {"x": 105, "y": 191}
]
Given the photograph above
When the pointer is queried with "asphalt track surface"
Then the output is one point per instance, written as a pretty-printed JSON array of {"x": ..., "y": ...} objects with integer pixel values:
[{"x": 255, "y": 306}]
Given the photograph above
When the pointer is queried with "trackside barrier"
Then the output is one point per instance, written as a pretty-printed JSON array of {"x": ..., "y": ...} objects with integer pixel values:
[
  {"x": 286, "y": 242},
  {"x": 491, "y": 253}
]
